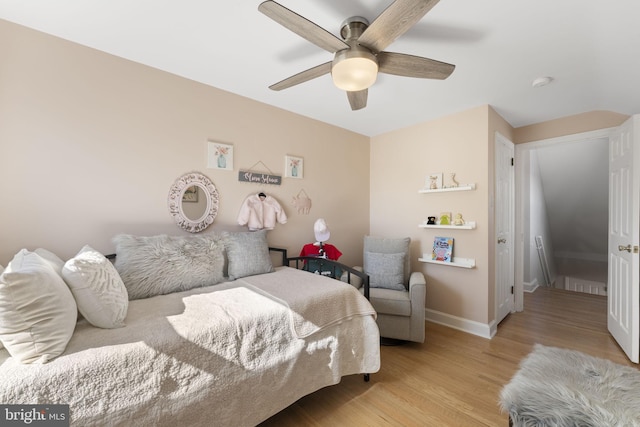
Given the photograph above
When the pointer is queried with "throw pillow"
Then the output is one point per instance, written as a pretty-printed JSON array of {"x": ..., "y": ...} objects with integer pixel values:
[
  {"x": 53, "y": 259},
  {"x": 248, "y": 253},
  {"x": 98, "y": 289},
  {"x": 37, "y": 311},
  {"x": 385, "y": 270},
  {"x": 158, "y": 265},
  {"x": 1, "y": 271}
]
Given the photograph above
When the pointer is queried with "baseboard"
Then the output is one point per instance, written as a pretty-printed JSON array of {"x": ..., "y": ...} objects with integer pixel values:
[
  {"x": 465, "y": 325},
  {"x": 530, "y": 286}
]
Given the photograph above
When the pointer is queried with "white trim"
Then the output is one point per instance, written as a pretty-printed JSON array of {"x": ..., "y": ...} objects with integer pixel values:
[
  {"x": 530, "y": 286},
  {"x": 465, "y": 325}
]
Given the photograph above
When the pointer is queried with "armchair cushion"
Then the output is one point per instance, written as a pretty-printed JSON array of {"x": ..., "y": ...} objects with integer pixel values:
[
  {"x": 385, "y": 270},
  {"x": 390, "y": 246}
]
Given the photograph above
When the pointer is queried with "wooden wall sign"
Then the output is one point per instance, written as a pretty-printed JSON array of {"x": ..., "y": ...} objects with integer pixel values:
[{"x": 259, "y": 178}]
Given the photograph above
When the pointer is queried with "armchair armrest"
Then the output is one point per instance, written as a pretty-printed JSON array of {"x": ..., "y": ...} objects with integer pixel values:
[
  {"x": 417, "y": 288},
  {"x": 417, "y": 278},
  {"x": 356, "y": 281}
]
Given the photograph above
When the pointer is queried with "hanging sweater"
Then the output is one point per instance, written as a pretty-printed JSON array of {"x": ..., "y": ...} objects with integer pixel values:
[{"x": 257, "y": 213}]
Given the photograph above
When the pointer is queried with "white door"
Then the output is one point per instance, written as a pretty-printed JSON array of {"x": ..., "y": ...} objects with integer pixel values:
[
  {"x": 624, "y": 223},
  {"x": 504, "y": 224}
]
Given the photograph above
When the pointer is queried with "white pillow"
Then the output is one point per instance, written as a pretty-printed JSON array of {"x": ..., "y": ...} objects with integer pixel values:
[
  {"x": 98, "y": 289},
  {"x": 37, "y": 311},
  {"x": 1, "y": 270},
  {"x": 53, "y": 259}
]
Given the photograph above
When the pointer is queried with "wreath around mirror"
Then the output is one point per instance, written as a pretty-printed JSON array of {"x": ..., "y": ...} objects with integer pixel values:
[{"x": 176, "y": 199}]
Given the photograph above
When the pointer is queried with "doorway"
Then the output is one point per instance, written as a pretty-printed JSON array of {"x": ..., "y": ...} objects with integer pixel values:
[{"x": 562, "y": 213}]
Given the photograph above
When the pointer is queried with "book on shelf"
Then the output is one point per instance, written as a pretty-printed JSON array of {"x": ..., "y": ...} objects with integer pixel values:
[{"x": 442, "y": 249}]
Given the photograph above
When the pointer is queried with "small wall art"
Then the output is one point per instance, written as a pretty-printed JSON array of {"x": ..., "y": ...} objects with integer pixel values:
[
  {"x": 302, "y": 202},
  {"x": 293, "y": 167},
  {"x": 220, "y": 156},
  {"x": 434, "y": 181}
]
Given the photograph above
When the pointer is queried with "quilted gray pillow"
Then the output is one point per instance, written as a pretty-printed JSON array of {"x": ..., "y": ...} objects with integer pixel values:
[
  {"x": 248, "y": 253},
  {"x": 159, "y": 265},
  {"x": 385, "y": 270}
]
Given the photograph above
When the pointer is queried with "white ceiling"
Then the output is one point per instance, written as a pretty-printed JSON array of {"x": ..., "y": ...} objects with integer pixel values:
[{"x": 589, "y": 47}]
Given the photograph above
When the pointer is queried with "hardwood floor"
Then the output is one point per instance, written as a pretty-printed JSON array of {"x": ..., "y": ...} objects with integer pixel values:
[{"x": 454, "y": 378}]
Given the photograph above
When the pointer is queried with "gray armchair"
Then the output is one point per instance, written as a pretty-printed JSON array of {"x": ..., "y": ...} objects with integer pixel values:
[{"x": 397, "y": 294}]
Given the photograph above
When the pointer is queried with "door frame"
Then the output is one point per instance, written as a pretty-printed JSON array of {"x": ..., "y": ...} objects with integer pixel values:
[{"x": 521, "y": 188}]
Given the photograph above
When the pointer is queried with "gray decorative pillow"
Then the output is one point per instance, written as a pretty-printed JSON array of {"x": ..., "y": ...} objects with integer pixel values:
[
  {"x": 158, "y": 265},
  {"x": 248, "y": 253},
  {"x": 385, "y": 270}
]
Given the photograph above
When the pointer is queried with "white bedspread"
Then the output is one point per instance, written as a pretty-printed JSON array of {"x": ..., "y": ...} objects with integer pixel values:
[{"x": 229, "y": 354}]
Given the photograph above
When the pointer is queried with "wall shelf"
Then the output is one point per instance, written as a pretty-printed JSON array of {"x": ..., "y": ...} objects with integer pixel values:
[
  {"x": 456, "y": 262},
  {"x": 468, "y": 187},
  {"x": 468, "y": 225}
]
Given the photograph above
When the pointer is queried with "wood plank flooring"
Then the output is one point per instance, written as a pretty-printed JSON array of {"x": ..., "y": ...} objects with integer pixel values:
[{"x": 454, "y": 378}]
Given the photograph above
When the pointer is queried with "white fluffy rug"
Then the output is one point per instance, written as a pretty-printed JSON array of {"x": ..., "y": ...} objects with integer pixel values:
[{"x": 557, "y": 387}]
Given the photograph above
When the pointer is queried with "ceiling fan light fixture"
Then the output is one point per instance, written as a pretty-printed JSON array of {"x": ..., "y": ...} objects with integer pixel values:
[{"x": 354, "y": 70}]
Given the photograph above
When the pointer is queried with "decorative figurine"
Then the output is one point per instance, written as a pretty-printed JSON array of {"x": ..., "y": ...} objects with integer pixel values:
[
  {"x": 454, "y": 183},
  {"x": 458, "y": 219},
  {"x": 445, "y": 218},
  {"x": 431, "y": 220}
]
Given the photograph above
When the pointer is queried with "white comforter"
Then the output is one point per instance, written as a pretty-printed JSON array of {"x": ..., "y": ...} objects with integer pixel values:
[{"x": 230, "y": 354}]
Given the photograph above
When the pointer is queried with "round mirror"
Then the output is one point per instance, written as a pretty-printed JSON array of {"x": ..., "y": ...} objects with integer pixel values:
[{"x": 193, "y": 202}]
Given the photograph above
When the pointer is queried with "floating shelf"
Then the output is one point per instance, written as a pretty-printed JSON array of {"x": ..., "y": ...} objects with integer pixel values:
[
  {"x": 457, "y": 262},
  {"x": 444, "y": 190},
  {"x": 468, "y": 225}
]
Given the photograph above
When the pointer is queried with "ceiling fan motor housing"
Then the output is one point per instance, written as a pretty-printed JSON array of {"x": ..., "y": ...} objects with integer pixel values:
[{"x": 355, "y": 68}]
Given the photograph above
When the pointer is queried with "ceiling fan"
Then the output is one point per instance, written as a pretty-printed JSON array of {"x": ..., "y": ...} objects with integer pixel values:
[{"x": 359, "y": 56}]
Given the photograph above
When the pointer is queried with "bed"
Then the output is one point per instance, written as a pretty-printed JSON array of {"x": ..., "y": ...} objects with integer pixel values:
[{"x": 234, "y": 353}]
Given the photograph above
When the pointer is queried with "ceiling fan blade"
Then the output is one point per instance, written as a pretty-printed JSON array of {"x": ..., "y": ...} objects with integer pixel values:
[
  {"x": 303, "y": 76},
  {"x": 358, "y": 100},
  {"x": 401, "y": 64},
  {"x": 393, "y": 22},
  {"x": 302, "y": 26}
]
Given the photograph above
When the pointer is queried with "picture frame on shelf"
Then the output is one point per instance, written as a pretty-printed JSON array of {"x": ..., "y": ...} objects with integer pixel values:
[
  {"x": 434, "y": 181},
  {"x": 444, "y": 218}
]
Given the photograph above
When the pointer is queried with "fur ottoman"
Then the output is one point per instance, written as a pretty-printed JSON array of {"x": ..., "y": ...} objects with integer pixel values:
[{"x": 557, "y": 388}]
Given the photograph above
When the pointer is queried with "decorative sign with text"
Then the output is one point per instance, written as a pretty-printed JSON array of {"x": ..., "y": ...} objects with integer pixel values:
[{"x": 259, "y": 178}]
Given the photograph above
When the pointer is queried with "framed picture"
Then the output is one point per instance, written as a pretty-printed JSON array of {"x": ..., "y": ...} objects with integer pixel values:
[
  {"x": 434, "y": 181},
  {"x": 190, "y": 194},
  {"x": 220, "y": 156},
  {"x": 293, "y": 167}
]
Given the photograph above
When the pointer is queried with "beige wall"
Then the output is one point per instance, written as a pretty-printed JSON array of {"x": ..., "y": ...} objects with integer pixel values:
[
  {"x": 570, "y": 125},
  {"x": 400, "y": 161},
  {"x": 91, "y": 143}
]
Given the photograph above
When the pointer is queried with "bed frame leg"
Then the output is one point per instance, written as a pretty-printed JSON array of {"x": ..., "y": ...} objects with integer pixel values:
[{"x": 366, "y": 378}]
